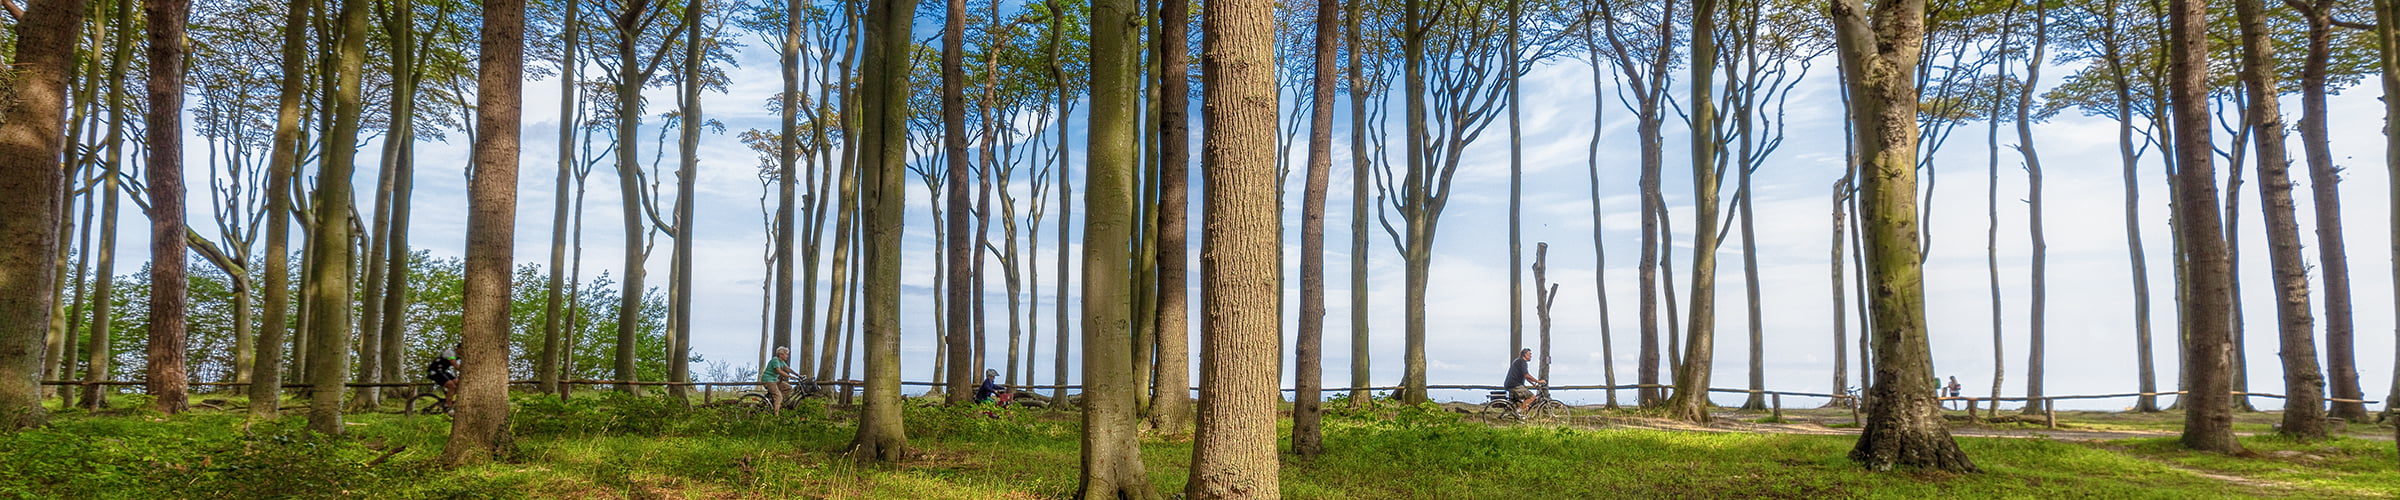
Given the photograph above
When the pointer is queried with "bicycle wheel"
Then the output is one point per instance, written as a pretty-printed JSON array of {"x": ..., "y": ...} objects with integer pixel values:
[
  {"x": 1549, "y": 409},
  {"x": 425, "y": 404},
  {"x": 751, "y": 404},
  {"x": 1501, "y": 409}
]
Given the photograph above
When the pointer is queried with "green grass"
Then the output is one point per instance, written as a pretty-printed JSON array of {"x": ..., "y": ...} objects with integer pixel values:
[{"x": 614, "y": 447}]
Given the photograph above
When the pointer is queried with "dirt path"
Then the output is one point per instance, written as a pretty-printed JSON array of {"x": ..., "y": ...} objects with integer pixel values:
[{"x": 1823, "y": 422}]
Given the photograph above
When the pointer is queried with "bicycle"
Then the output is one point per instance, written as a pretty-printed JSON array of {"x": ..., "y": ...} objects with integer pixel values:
[
  {"x": 428, "y": 404},
  {"x": 1542, "y": 408},
  {"x": 754, "y": 402}
]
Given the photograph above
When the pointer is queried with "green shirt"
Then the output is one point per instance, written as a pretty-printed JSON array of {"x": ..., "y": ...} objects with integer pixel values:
[{"x": 774, "y": 370}]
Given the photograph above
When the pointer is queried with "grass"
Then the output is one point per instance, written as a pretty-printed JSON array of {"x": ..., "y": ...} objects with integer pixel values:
[{"x": 617, "y": 447}]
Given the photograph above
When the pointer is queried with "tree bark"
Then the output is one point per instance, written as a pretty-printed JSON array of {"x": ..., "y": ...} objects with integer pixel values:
[
  {"x": 1991, "y": 192},
  {"x": 1516, "y": 187},
  {"x": 329, "y": 284},
  {"x": 787, "y": 184},
  {"x": 680, "y": 308},
  {"x": 2113, "y": 55},
  {"x": 266, "y": 377},
  {"x": 2037, "y": 307},
  {"x": 961, "y": 244},
  {"x": 1171, "y": 402},
  {"x": 1608, "y": 356},
  {"x": 1696, "y": 367},
  {"x": 2325, "y": 194},
  {"x": 1112, "y": 466},
  {"x": 882, "y": 159},
  {"x": 2208, "y": 418},
  {"x": 1233, "y": 451},
  {"x": 31, "y": 140},
  {"x": 2387, "y": 41},
  {"x": 2304, "y": 384},
  {"x": 1903, "y": 424},
  {"x": 1360, "y": 164},
  {"x": 1308, "y": 433},
  {"x": 166, "y": 52},
  {"x": 481, "y": 429},
  {"x": 547, "y": 368}
]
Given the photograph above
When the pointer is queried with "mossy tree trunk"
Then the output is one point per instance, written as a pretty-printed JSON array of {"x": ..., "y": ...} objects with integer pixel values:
[
  {"x": 883, "y": 144},
  {"x": 31, "y": 140},
  {"x": 1903, "y": 424}
]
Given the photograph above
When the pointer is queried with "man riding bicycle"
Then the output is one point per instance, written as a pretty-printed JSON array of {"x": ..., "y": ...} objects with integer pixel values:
[
  {"x": 440, "y": 371},
  {"x": 1518, "y": 377},
  {"x": 778, "y": 377}
]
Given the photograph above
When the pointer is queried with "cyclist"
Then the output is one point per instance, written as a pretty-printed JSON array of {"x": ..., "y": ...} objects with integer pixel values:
[
  {"x": 991, "y": 391},
  {"x": 777, "y": 377},
  {"x": 1517, "y": 379},
  {"x": 440, "y": 371}
]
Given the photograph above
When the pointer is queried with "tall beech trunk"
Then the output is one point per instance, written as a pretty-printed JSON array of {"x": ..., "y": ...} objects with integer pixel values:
[
  {"x": 1233, "y": 451},
  {"x": 96, "y": 369},
  {"x": 481, "y": 429},
  {"x": 1171, "y": 403},
  {"x": 787, "y": 187},
  {"x": 31, "y": 141},
  {"x": 266, "y": 376},
  {"x": 2341, "y": 358},
  {"x": 2121, "y": 84},
  {"x": 2037, "y": 306},
  {"x": 330, "y": 273},
  {"x": 167, "y": 49},
  {"x": 1112, "y": 465},
  {"x": 1903, "y": 423},
  {"x": 1360, "y": 165},
  {"x": 1697, "y": 365},
  {"x": 961, "y": 244},
  {"x": 2208, "y": 415},
  {"x": 2387, "y": 42},
  {"x": 883, "y": 144},
  {"x": 1608, "y": 355},
  {"x": 1991, "y": 192},
  {"x": 1516, "y": 187},
  {"x": 686, "y": 178},
  {"x": 546, "y": 370},
  {"x": 2304, "y": 384},
  {"x": 1308, "y": 433}
]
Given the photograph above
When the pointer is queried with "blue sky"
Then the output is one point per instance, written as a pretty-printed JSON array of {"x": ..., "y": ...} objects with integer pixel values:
[{"x": 2089, "y": 325}]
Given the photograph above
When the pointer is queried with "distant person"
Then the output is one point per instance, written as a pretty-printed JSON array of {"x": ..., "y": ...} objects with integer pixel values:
[
  {"x": 777, "y": 377},
  {"x": 1518, "y": 376},
  {"x": 991, "y": 390},
  {"x": 1953, "y": 389},
  {"x": 441, "y": 371}
]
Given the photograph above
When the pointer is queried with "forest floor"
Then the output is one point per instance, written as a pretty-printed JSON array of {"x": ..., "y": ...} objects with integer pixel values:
[{"x": 608, "y": 446}]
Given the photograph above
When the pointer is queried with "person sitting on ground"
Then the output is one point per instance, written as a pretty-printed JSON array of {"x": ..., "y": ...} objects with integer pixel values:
[
  {"x": 442, "y": 371},
  {"x": 991, "y": 391},
  {"x": 778, "y": 377},
  {"x": 1518, "y": 377}
]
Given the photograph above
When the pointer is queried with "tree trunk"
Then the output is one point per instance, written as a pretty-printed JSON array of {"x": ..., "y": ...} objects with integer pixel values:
[
  {"x": 2304, "y": 384},
  {"x": 630, "y": 80},
  {"x": 1112, "y": 466},
  {"x": 1903, "y": 424},
  {"x": 882, "y": 156},
  {"x": 961, "y": 244},
  {"x": 1066, "y": 192},
  {"x": 1991, "y": 192},
  {"x": 481, "y": 429},
  {"x": 1516, "y": 188},
  {"x": 31, "y": 140},
  {"x": 329, "y": 283},
  {"x": 1608, "y": 356},
  {"x": 2037, "y": 306},
  {"x": 1544, "y": 295},
  {"x": 100, "y": 351},
  {"x": 266, "y": 377},
  {"x": 401, "y": 145},
  {"x": 1653, "y": 160},
  {"x": 787, "y": 184},
  {"x": 1841, "y": 330},
  {"x": 1690, "y": 401},
  {"x": 1360, "y": 164},
  {"x": 2208, "y": 418},
  {"x": 167, "y": 49},
  {"x": 1308, "y": 432},
  {"x": 1233, "y": 452},
  {"x": 2119, "y": 82},
  {"x": 1171, "y": 402},
  {"x": 2387, "y": 38},
  {"x": 553, "y": 344},
  {"x": 2325, "y": 194},
  {"x": 680, "y": 309}
]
